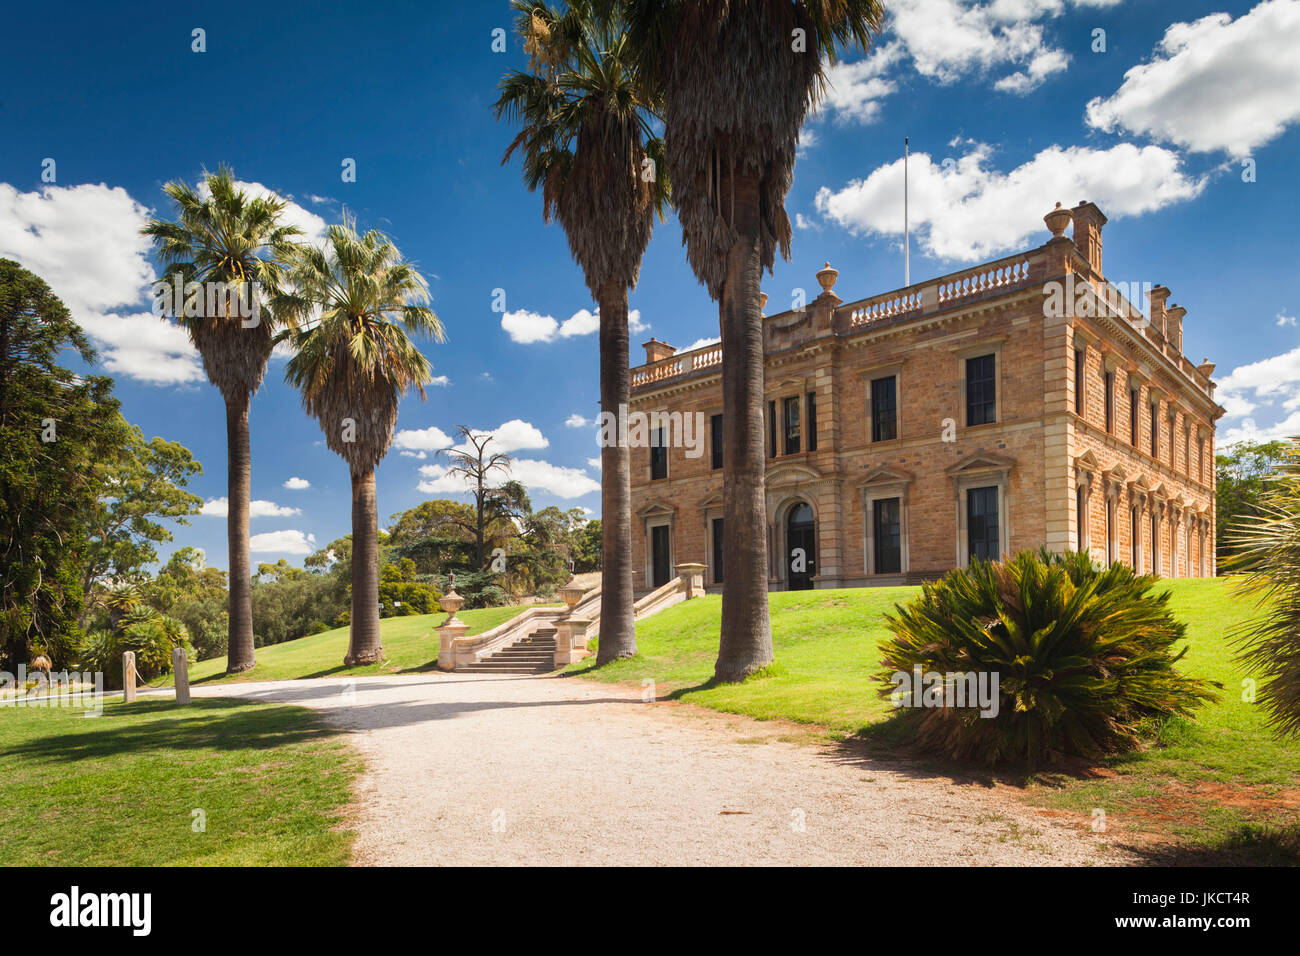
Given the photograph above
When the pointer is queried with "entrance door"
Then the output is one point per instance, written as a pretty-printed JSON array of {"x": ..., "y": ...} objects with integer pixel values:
[
  {"x": 661, "y": 563},
  {"x": 801, "y": 548}
]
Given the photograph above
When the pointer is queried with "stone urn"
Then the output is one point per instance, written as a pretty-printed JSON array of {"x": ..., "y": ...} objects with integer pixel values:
[
  {"x": 451, "y": 602},
  {"x": 571, "y": 594},
  {"x": 827, "y": 277},
  {"x": 1057, "y": 220}
]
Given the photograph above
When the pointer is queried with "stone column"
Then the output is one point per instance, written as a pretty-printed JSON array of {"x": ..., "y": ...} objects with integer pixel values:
[
  {"x": 451, "y": 629},
  {"x": 128, "y": 676},
  {"x": 181, "y": 670}
]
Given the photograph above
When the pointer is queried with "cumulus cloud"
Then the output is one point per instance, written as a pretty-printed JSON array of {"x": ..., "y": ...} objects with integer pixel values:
[
  {"x": 421, "y": 440},
  {"x": 968, "y": 210},
  {"x": 282, "y": 542},
  {"x": 297, "y": 484},
  {"x": 1266, "y": 390},
  {"x": 701, "y": 343},
  {"x": 440, "y": 380},
  {"x": 1284, "y": 320},
  {"x": 527, "y": 328},
  {"x": 514, "y": 435},
  {"x": 593, "y": 463},
  {"x": 1214, "y": 84},
  {"x": 219, "y": 508},
  {"x": 533, "y": 474},
  {"x": 577, "y": 421}
]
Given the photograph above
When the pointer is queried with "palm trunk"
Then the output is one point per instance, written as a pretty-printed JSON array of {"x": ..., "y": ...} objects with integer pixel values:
[
  {"x": 240, "y": 655},
  {"x": 746, "y": 644},
  {"x": 365, "y": 646},
  {"x": 617, "y": 624}
]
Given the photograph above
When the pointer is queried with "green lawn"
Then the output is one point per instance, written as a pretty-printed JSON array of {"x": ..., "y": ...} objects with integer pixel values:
[
  {"x": 1220, "y": 783},
  {"x": 122, "y": 789},
  {"x": 410, "y": 644}
]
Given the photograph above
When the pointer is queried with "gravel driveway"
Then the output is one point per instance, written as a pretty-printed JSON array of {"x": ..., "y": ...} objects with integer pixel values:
[{"x": 485, "y": 769}]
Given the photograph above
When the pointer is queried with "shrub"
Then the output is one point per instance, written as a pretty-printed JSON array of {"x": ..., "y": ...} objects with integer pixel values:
[
  {"x": 151, "y": 635},
  {"x": 1084, "y": 657}
]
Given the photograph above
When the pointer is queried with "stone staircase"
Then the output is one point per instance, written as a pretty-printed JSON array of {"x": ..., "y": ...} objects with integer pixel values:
[{"x": 534, "y": 654}]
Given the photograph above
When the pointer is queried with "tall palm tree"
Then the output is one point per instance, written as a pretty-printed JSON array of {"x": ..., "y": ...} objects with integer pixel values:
[
  {"x": 222, "y": 234},
  {"x": 353, "y": 303},
  {"x": 738, "y": 78},
  {"x": 589, "y": 143}
]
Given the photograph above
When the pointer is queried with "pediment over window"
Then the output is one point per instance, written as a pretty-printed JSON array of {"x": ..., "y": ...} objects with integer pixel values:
[
  {"x": 714, "y": 500},
  {"x": 1087, "y": 462},
  {"x": 656, "y": 509},
  {"x": 885, "y": 475},
  {"x": 1115, "y": 475},
  {"x": 791, "y": 473},
  {"x": 1160, "y": 491},
  {"x": 981, "y": 462},
  {"x": 1139, "y": 485}
]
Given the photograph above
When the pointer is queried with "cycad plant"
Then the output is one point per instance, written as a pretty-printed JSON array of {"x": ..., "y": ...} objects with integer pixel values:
[
  {"x": 1084, "y": 658},
  {"x": 352, "y": 304},
  {"x": 1267, "y": 553},
  {"x": 221, "y": 234},
  {"x": 589, "y": 143}
]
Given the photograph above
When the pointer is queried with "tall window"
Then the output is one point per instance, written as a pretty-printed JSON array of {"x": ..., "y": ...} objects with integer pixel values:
[
  {"x": 1081, "y": 517},
  {"x": 717, "y": 550},
  {"x": 1155, "y": 543},
  {"x": 791, "y": 406},
  {"x": 1136, "y": 529},
  {"x": 715, "y": 440},
  {"x": 771, "y": 429},
  {"x": 1187, "y": 450},
  {"x": 812, "y": 421},
  {"x": 1108, "y": 380},
  {"x": 981, "y": 390},
  {"x": 1172, "y": 463},
  {"x": 1155, "y": 430},
  {"x": 884, "y": 408},
  {"x": 1200, "y": 458},
  {"x": 658, "y": 455},
  {"x": 982, "y": 523},
  {"x": 888, "y": 535},
  {"x": 1110, "y": 533},
  {"x": 1079, "y": 355},
  {"x": 1133, "y": 417}
]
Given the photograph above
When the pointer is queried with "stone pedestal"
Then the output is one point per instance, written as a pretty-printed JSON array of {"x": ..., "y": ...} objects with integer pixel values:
[
  {"x": 563, "y": 643},
  {"x": 128, "y": 676},
  {"x": 181, "y": 671},
  {"x": 578, "y": 632},
  {"x": 692, "y": 576},
  {"x": 453, "y": 629}
]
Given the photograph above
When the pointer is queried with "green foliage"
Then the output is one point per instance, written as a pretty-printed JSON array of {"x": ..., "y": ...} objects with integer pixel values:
[
  {"x": 1241, "y": 477},
  {"x": 152, "y": 636},
  {"x": 288, "y": 602},
  {"x": 1085, "y": 658},
  {"x": 1267, "y": 550},
  {"x": 400, "y": 594},
  {"x": 586, "y": 547},
  {"x": 185, "y": 588}
]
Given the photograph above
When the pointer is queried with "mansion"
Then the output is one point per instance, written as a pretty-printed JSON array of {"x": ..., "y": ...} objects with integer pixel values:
[{"x": 1022, "y": 403}]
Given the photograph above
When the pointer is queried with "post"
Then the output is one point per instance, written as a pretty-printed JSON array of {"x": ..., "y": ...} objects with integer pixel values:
[
  {"x": 451, "y": 629},
  {"x": 692, "y": 576},
  {"x": 128, "y": 676},
  {"x": 181, "y": 670}
]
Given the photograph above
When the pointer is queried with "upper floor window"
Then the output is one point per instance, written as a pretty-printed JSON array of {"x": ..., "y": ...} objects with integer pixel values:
[
  {"x": 658, "y": 455},
  {"x": 1172, "y": 419},
  {"x": 812, "y": 421},
  {"x": 884, "y": 408},
  {"x": 1079, "y": 355},
  {"x": 1108, "y": 381},
  {"x": 1187, "y": 450},
  {"x": 1133, "y": 408},
  {"x": 715, "y": 440},
  {"x": 771, "y": 429},
  {"x": 981, "y": 390},
  {"x": 791, "y": 407},
  {"x": 1155, "y": 430}
]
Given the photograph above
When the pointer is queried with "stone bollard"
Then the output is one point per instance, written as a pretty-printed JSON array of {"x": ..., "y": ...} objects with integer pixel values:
[
  {"x": 451, "y": 629},
  {"x": 563, "y": 642},
  {"x": 692, "y": 576},
  {"x": 578, "y": 633},
  {"x": 128, "y": 676},
  {"x": 181, "y": 670}
]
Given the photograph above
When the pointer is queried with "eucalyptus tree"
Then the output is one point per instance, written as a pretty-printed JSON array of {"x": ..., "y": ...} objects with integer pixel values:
[
  {"x": 589, "y": 143},
  {"x": 738, "y": 79},
  {"x": 225, "y": 239},
  {"x": 352, "y": 304}
]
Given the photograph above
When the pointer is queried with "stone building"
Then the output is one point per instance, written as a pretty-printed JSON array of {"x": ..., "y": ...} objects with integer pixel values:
[{"x": 1020, "y": 403}]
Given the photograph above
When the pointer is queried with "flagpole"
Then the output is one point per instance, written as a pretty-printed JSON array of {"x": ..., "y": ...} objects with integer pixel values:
[{"x": 907, "y": 238}]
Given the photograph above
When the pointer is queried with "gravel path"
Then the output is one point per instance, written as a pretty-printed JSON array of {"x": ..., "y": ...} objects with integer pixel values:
[{"x": 485, "y": 769}]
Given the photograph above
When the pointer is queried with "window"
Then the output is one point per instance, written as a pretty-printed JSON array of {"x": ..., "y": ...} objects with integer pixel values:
[
  {"x": 771, "y": 429},
  {"x": 1110, "y": 533},
  {"x": 888, "y": 535},
  {"x": 982, "y": 523},
  {"x": 1155, "y": 430},
  {"x": 717, "y": 550},
  {"x": 1155, "y": 543},
  {"x": 1133, "y": 417},
  {"x": 1108, "y": 381},
  {"x": 1187, "y": 450},
  {"x": 1079, "y": 355},
  {"x": 1200, "y": 458},
  {"x": 981, "y": 390},
  {"x": 1081, "y": 517},
  {"x": 812, "y": 421},
  {"x": 715, "y": 440},
  {"x": 658, "y": 455},
  {"x": 791, "y": 408},
  {"x": 884, "y": 408},
  {"x": 1135, "y": 526},
  {"x": 661, "y": 561},
  {"x": 1171, "y": 440}
]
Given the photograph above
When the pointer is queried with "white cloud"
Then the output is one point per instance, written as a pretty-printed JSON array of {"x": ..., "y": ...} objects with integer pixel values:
[
  {"x": 1283, "y": 319},
  {"x": 297, "y": 484},
  {"x": 701, "y": 343},
  {"x": 259, "y": 508},
  {"x": 970, "y": 211},
  {"x": 422, "y": 440},
  {"x": 527, "y": 327},
  {"x": 1214, "y": 84},
  {"x": 440, "y": 480},
  {"x": 854, "y": 91},
  {"x": 593, "y": 463},
  {"x": 440, "y": 380},
  {"x": 312, "y": 225},
  {"x": 282, "y": 542},
  {"x": 577, "y": 421},
  {"x": 1267, "y": 388},
  {"x": 534, "y": 475},
  {"x": 513, "y": 435}
]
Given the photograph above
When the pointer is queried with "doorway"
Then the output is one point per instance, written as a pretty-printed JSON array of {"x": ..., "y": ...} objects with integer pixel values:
[{"x": 801, "y": 548}]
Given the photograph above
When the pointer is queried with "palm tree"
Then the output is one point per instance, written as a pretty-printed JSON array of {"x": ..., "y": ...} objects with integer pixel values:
[
  {"x": 353, "y": 362},
  {"x": 588, "y": 142},
  {"x": 221, "y": 234},
  {"x": 738, "y": 78}
]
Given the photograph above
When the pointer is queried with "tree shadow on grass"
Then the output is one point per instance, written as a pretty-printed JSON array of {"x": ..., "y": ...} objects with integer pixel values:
[
  {"x": 1250, "y": 844},
  {"x": 207, "y": 723}
]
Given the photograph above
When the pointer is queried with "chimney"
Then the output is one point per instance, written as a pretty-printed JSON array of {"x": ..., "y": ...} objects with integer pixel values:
[
  {"x": 1158, "y": 296},
  {"x": 1088, "y": 221},
  {"x": 656, "y": 350},
  {"x": 1174, "y": 326}
]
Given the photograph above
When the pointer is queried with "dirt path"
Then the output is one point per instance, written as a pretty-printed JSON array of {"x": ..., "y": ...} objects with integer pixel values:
[{"x": 481, "y": 769}]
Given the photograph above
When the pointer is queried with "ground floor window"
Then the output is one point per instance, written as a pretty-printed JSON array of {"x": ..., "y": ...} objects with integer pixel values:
[
  {"x": 982, "y": 523},
  {"x": 717, "y": 550}
]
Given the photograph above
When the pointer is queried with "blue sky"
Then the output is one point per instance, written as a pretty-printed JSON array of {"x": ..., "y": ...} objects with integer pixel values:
[{"x": 1008, "y": 107}]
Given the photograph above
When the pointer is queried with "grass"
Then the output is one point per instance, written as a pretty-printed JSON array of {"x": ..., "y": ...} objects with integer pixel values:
[
  {"x": 410, "y": 644},
  {"x": 122, "y": 789},
  {"x": 1223, "y": 787}
]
